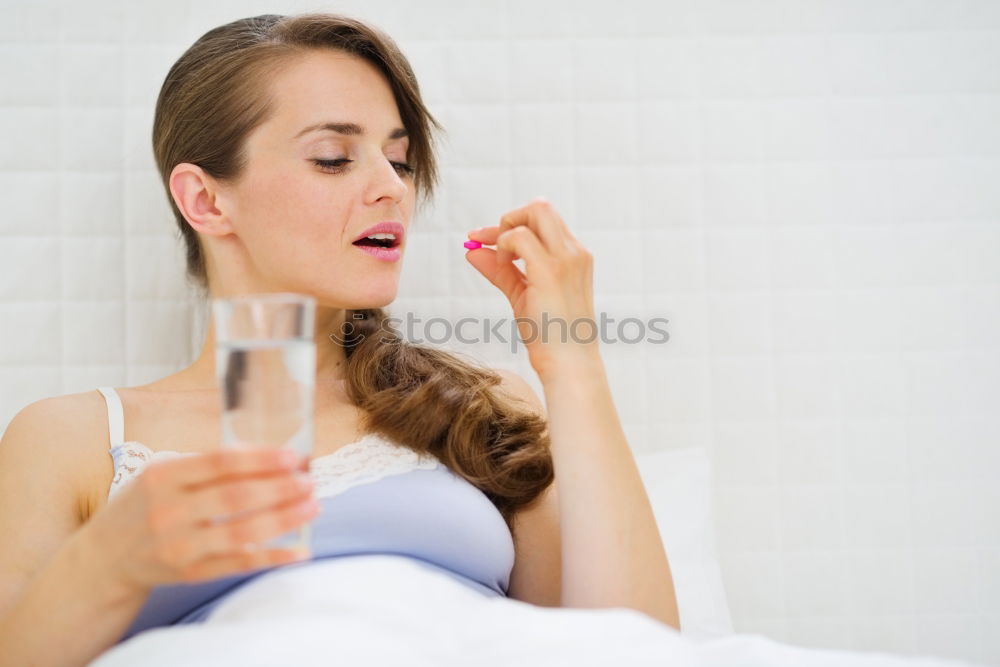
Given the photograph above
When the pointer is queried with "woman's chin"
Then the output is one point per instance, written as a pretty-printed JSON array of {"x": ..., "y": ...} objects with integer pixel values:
[{"x": 354, "y": 302}]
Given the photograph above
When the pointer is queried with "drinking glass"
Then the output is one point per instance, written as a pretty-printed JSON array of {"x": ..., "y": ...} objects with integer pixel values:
[{"x": 265, "y": 364}]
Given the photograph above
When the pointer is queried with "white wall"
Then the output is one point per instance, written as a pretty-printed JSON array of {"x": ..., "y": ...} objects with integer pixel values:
[{"x": 807, "y": 190}]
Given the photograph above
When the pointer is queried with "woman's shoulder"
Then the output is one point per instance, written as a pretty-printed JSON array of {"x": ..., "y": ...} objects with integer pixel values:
[
  {"x": 514, "y": 384},
  {"x": 63, "y": 414},
  {"x": 66, "y": 434}
]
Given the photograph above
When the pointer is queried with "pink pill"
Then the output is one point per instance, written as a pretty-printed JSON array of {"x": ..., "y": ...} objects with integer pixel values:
[{"x": 472, "y": 245}]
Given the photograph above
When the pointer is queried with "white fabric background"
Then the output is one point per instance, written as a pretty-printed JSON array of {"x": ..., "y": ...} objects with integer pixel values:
[{"x": 807, "y": 190}]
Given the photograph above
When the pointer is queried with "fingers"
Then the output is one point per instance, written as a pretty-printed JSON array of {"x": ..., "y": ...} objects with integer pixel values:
[
  {"x": 256, "y": 528},
  {"x": 498, "y": 265},
  {"x": 224, "y": 463},
  {"x": 245, "y": 495},
  {"x": 506, "y": 275},
  {"x": 541, "y": 217},
  {"x": 522, "y": 242}
]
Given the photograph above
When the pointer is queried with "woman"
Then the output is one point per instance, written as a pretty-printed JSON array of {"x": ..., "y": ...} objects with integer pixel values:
[{"x": 281, "y": 142}]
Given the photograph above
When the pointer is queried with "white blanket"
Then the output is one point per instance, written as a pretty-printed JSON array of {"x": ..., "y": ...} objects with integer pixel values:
[{"x": 392, "y": 610}]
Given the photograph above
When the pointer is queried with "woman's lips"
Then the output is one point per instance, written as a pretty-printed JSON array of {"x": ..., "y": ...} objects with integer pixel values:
[{"x": 384, "y": 254}]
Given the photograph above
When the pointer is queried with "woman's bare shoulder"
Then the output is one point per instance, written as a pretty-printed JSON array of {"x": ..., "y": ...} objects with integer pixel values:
[
  {"x": 65, "y": 415},
  {"x": 68, "y": 434}
]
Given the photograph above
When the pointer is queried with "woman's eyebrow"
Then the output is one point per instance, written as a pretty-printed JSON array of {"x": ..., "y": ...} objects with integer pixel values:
[{"x": 349, "y": 128}]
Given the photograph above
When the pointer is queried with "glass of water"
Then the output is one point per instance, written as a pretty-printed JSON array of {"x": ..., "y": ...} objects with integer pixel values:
[{"x": 265, "y": 364}]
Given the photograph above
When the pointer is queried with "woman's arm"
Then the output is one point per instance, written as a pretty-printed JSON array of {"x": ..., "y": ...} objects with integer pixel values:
[
  {"x": 70, "y": 612},
  {"x": 57, "y": 605},
  {"x": 612, "y": 553}
]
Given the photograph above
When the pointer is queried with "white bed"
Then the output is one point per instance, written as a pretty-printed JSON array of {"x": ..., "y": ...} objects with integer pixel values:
[{"x": 391, "y": 610}]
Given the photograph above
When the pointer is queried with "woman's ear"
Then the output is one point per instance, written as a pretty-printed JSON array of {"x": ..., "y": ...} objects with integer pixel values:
[{"x": 200, "y": 200}]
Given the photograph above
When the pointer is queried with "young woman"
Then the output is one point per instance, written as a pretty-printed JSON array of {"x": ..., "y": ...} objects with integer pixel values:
[{"x": 283, "y": 144}]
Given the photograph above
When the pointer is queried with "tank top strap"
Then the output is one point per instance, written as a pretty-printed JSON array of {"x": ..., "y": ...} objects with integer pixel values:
[{"x": 116, "y": 415}]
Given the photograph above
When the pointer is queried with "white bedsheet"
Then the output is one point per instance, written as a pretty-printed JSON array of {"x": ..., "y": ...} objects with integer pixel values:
[{"x": 391, "y": 610}]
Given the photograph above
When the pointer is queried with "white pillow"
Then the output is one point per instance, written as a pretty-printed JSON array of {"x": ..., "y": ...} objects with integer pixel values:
[{"x": 678, "y": 483}]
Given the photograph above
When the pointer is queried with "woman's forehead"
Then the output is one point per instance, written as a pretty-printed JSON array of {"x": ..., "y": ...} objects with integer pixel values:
[
  {"x": 338, "y": 92},
  {"x": 332, "y": 77}
]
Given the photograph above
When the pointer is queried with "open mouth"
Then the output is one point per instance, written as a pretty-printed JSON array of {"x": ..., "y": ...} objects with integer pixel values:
[{"x": 379, "y": 241}]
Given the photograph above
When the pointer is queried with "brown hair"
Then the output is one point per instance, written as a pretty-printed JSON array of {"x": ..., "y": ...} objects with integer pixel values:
[{"x": 424, "y": 398}]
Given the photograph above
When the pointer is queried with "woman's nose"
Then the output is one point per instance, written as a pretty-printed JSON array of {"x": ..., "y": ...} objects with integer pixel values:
[{"x": 391, "y": 181}]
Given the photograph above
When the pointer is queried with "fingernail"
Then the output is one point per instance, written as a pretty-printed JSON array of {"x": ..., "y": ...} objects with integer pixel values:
[{"x": 472, "y": 245}]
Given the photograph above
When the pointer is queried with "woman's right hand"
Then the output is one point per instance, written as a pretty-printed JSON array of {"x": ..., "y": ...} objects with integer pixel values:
[{"x": 174, "y": 522}]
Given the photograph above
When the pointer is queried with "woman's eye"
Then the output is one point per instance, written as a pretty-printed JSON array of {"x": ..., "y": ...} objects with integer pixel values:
[
  {"x": 337, "y": 165},
  {"x": 328, "y": 164},
  {"x": 407, "y": 169}
]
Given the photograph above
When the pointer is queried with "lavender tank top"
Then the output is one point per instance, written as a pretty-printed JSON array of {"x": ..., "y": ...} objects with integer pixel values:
[{"x": 377, "y": 497}]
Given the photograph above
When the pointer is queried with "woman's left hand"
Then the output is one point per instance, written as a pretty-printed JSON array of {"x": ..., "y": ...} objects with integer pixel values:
[{"x": 557, "y": 282}]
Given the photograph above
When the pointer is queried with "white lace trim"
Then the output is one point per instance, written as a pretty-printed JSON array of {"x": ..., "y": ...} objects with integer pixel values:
[
  {"x": 360, "y": 462},
  {"x": 134, "y": 458},
  {"x": 365, "y": 461}
]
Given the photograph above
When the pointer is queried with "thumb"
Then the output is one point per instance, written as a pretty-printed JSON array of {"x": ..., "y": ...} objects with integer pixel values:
[{"x": 504, "y": 274}]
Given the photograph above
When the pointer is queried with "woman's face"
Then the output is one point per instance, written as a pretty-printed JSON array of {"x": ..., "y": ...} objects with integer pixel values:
[{"x": 295, "y": 220}]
